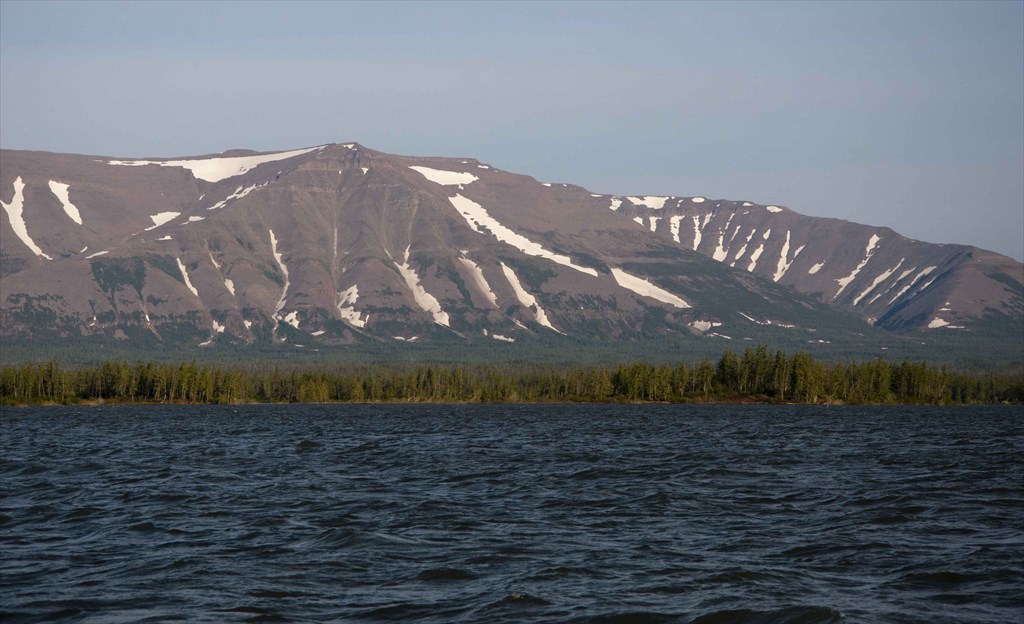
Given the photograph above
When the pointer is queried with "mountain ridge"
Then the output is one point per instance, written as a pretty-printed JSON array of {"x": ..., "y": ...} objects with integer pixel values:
[{"x": 339, "y": 244}]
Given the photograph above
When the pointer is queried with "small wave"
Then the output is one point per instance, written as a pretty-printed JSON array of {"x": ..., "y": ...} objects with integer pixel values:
[
  {"x": 791, "y": 615},
  {"x": 445, "y": 574}
]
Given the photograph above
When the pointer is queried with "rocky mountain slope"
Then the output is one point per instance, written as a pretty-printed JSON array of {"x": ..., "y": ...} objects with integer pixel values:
[{"x": 340, "y": 244}]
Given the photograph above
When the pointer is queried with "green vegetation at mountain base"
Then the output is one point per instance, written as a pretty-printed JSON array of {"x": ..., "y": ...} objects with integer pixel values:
[{"x": 758, "y": 374}]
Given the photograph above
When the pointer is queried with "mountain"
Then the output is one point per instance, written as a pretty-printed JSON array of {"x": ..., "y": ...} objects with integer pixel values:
[{"x": 336, "y": 245}]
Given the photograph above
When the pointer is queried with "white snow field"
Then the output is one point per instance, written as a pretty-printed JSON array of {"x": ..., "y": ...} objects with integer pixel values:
[
  {"x": 426, "y": 301},
  {"x": 14, "y": 212},
  {"x": 61, "y": 191},
  {"x": 481, "y": 221},
  {"x": 346, "y": 307},
  {"x": 446, "y": 178},
  {"x": 184, "y": 274},
  {"x": 868, "y": 252},
  {"x": 216, "y": 169},
  {"x": 646, "y": 289},
  {"x": 481, "y": 282},
  {"x": 526, "y": 299}
]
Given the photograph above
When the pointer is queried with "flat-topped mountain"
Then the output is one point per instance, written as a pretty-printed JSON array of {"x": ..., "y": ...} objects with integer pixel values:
[{"x": 340, "y": 244}]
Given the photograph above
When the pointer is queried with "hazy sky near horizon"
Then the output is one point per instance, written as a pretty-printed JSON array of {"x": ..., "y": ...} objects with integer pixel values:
[{"x": 903, "y": 114}]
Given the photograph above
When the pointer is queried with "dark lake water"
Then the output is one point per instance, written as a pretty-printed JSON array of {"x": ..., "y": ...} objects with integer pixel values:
[{"x": 521, "y": 513}]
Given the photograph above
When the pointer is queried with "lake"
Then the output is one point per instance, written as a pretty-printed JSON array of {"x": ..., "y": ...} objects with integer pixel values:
[{"x": 512, "y": 513}]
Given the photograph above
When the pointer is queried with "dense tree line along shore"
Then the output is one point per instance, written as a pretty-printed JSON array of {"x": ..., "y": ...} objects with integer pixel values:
[{"x": 755, "y": 375}]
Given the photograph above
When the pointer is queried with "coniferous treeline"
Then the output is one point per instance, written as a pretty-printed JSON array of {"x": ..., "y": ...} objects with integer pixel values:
[{"x": 757, "y": 374}]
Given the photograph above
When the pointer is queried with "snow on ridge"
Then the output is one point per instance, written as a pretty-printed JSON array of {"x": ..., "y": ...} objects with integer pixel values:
[
  {"x": 697, "y": 200},
  {"x": 440, "y": 176},
  {"x": 161, "y": 218},
  {"x": 184, "y": 274},
  {"x": 426, "y": 301},
  {"x": 481, "y": 282},
  {"x": 219, "y": 168},
  {"x": 646, "y": 289},
  {"x": 346, "y": 307},
  {"x": 482, "y": 222},
  {"x": 870, "y": 251},
  {"x": 15, "y": 214},
  {"x": 61, "y": 191},
  {"x": 651, "y": 201},
  {"x": 773, "y": 209},
  {"x": 526, "y": 299},
  {"x": 884, "y": 275}
]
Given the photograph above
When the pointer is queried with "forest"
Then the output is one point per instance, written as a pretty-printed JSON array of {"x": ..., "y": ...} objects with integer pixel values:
[{"x": 756, "y": 375}]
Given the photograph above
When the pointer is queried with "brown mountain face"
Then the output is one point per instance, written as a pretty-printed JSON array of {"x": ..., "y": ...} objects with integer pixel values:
[{"x": 340, "y": 244}]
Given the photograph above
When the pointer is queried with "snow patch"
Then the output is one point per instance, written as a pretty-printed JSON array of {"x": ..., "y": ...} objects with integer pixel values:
[
  {"x": 61, "y": 191},
  {"x": 673, "y": 226},
  {"x": 650, "y": 201},
  {"x": 365, "y": 170},
  {"x": 440, "y": 176},
  {"x": 936, "y": 323},
  {"x": 217, "y": 327},
  {"x": 615, "y": 204},
  {"x": 318, "y": 333},
  {"x": 785, "y": 263},
  {"x": 754, "y": 256},
  {"x": 502, "y": 338},
  {"x": 165, "y": 238},
  {"x": 184, "y": 274},
  {"x": 194, "y": 219},
  {"x": 230, "y": 286},
  {"x": 426, "y": 301},
  {"x": 704, "y": 326},
  {"x": 346, "y": 307},
  {"x": 698, "y": 200},
  {"x": 746, "y": 204},
  {"x": 279, "y": 258},
  {"x": 773, "y": 209},
  {"x": 743, "y": 249},
  {"x": 639, "y": 220},
  {"x": 217, "y": 169},
  {"x": 161, "y": 218},
  {"x": 481, "y": 282},
  {"x": 247, "y": 323},
  {"x": 868, "y": 252},
  {"x": 878, "y": 280},
  {"x": 654, "y": 223},
  {"x": 917, "y": 278},
  {"x": 239, "y": 193},
  {"x": 646, "y": 289},
  {"x": 15, "y": 214},
  {"x": 482, "y": 222},
  {"x": 292, "y": 318},
  {"x": 98, "y": 253},
  {"x": 526, "y": 299},
  {"x": 814, "y": 269},
  {"x": 696, "y": 232}
]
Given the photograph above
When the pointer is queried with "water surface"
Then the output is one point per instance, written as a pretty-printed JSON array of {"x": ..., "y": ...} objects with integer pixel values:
[{"x": 512, "y": 513}]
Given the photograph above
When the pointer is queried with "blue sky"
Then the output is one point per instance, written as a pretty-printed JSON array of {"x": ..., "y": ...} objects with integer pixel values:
[{"x": 903, "y": 114}]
